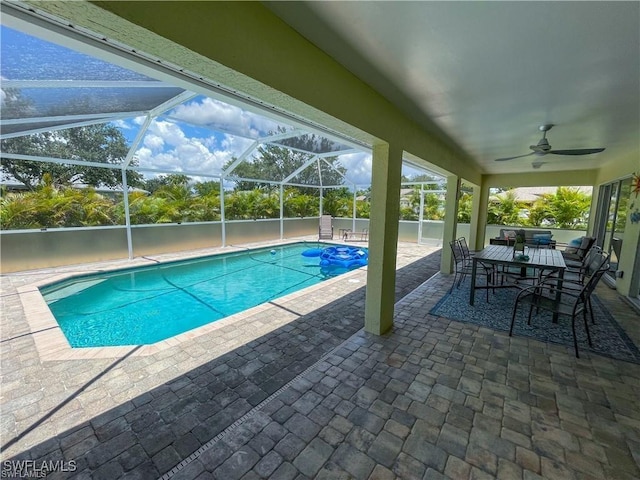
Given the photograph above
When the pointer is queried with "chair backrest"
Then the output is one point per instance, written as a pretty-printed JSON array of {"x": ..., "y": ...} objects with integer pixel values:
[
  {"x": 585, "y": 246},
  {"x": 603, "y": 260},
  {"x": 456, "y": 249},
  {"x": 466, "y": 254},
  {"x": 593, "y": 260},
  {"x": 325, "y": 230},
  {"x": 325, "y": 223}
]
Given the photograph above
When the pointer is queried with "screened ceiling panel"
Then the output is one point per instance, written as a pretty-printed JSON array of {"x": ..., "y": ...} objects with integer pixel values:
[
  {"x": 54, "y": 102},
  {"x": 25, "y": 57},
  {"x": 7, "y": 129},
  {"x": 42, "y": 79},
  {"x": 272, "y": 163},
  {"x": 318, "y": 172},
  {"x": 224, "y": 118},
  {"x": 312, "y": 143}
]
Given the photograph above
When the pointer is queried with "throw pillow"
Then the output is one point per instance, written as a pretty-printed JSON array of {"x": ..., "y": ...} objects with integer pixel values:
[
  {"x": 509, "y": 234},
  {"x": 542, "y": 238}
]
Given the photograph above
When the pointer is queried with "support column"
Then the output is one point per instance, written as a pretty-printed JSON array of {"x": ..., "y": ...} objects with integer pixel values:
[
  {"x": 127, "y": 215},
  {"x": 281, "y": 212},
  {"x": 223, "y": 227},
  {"x": 483, "y": 210},
  {"x": 383, "y": 238},
  {"x": 450, "y": 222},
  {"x": 474, "y": 233}
]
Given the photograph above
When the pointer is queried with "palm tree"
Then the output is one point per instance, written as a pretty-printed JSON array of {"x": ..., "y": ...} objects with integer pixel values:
[{"x": 504, "y": 209}]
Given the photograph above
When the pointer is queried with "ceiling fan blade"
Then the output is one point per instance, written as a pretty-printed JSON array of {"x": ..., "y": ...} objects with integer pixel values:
[
  {"x": 512, "y": 158},
  {"x": 579, "y": 151}
]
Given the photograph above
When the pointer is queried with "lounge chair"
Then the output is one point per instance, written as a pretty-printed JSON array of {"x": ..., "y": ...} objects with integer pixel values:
[{"x": 325, "y": 230}]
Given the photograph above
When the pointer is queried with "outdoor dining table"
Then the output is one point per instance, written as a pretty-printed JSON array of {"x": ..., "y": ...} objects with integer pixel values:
[{"x": 547, "y": 259}]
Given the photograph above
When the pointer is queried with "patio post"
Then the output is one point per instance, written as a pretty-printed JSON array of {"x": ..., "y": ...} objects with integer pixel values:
[
  {"x": 475, "y": 217},
  {"x": 127, "y": 215},
  {"x": 383, "y": 238},
  {"x": 223, "y": 229},
  {"x": 481, "y": 218},
  {"x": 281, "y": 211},
  {"x": 353, "y": 218},
  {"x": 450, "y": 222}
]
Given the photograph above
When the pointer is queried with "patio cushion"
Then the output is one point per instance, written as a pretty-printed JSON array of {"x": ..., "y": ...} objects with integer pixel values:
[{"x": 542, "y": 238}]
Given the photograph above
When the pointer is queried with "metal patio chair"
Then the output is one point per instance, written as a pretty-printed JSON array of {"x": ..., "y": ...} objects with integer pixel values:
[{"x": 573, "y": 301}]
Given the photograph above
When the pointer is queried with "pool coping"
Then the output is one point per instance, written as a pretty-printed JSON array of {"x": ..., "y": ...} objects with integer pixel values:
[{"x": 52, "y": 344}]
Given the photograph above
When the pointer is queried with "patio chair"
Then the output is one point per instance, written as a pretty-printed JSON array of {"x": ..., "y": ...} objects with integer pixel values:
[
  {"x": 325, "y": 230},
  {"x": 575, "y": 277},
  {"x": 463, "y": 265},
  {"x": 575, "y": 255},
  {"x": 573, "y": 301},
  {"x": 465, "y": 248}
]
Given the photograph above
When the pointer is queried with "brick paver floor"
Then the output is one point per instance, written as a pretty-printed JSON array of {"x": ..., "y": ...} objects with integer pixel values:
[
  {"x": 431, "y": 399},
  {"x": 145, "y": 414}
]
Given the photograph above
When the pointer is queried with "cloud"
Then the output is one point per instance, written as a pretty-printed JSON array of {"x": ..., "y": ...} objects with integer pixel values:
[
  {"x": 170, "y": 147},
  {"x": 153, "y": 142},
  {"x": 225, "y": 118},
  {"x": 358, "y": 167}
]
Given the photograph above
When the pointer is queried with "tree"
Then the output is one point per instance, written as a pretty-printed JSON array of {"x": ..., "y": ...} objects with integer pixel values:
[
  {"x": 567, "y": 208},
  {"x": 275, "y": 163},
  {"x": 172, "y": 179},
  {"x": 207, "y": 188},
  {"x": 101, "y": 143},
  {"x": 54, "y": 207},
  {"x": 504, "y": 209},
  {"x": 464, "y": 207},
  {"x": 335, "y": 202},
  {"x": 297, "y": 204}
]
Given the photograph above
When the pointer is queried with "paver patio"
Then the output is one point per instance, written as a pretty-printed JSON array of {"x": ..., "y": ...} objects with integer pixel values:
[{"x": 319, "y": 398}]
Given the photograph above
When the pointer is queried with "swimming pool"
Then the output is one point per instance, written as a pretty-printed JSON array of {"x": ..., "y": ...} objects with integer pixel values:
[{"x": 145, "y": 305}]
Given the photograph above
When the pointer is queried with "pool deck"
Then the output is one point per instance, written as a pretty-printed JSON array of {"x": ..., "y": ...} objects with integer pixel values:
[{"x": 296, "y": 389}]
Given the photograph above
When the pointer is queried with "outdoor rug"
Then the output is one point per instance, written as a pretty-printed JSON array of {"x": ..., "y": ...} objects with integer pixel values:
[{"x": 607, "y": 337}]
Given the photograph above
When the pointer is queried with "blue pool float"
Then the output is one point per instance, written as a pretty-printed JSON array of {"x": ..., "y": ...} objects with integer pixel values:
[
  {"x": 312, "y": 252},
  {"x": 345, "y": 257}
]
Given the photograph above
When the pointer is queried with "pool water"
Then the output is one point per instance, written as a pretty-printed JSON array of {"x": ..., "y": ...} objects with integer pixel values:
[{"x": 145, "y": 305}]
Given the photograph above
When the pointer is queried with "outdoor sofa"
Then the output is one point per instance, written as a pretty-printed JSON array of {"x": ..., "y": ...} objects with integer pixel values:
[{"x": 532, "y": 238}]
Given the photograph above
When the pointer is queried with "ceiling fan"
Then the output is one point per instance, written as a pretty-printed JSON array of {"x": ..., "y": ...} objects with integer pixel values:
[{"x": 542, "y": 148}]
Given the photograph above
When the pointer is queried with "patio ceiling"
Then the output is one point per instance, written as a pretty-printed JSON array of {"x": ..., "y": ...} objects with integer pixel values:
[{"x": 488, "y": 74}]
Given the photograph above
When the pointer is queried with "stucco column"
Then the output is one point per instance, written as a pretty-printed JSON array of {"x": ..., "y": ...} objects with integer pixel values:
[
  {"x": 483, "y": 210},
  {"x": 450, "y": 222},
  {"x": 383, "y": 238},
  {"x": 474, "y": 233}
]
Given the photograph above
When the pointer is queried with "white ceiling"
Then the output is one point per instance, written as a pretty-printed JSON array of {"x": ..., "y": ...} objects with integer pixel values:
[{"x": 489, "y": 73}]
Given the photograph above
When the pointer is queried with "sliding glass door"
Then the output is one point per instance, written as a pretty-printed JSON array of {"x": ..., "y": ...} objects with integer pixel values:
[{"x": 611, "y": 219}]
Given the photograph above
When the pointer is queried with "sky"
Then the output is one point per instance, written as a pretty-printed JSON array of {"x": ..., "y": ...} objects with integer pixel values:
[{"x": 199, "y": 136}]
